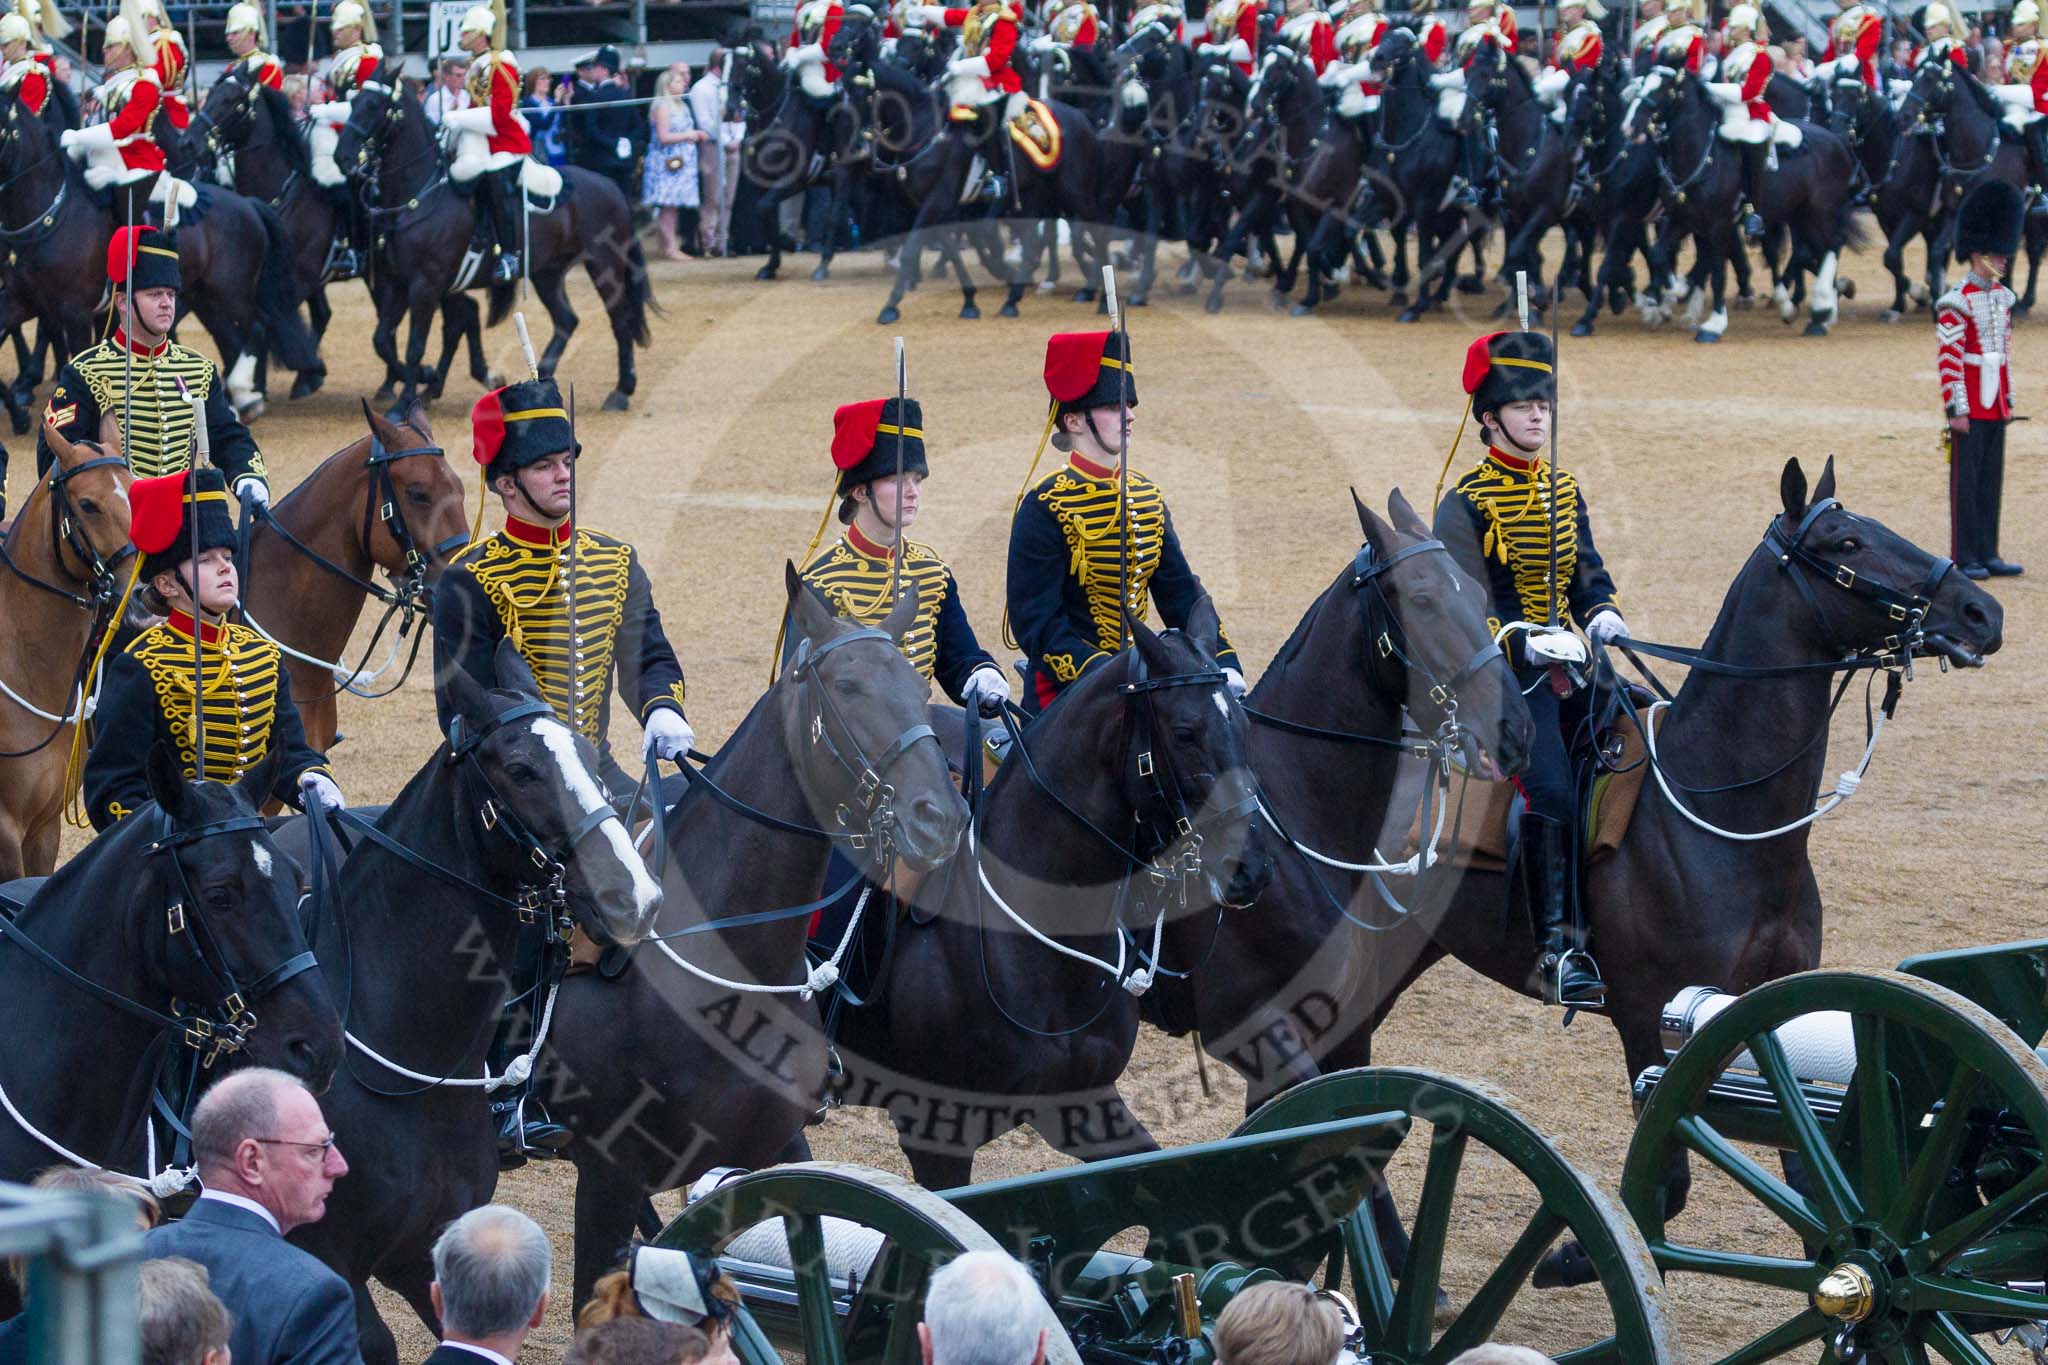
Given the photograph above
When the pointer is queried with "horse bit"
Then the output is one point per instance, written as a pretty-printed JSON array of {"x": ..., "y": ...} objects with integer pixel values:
[{"x": 872, "y": 790}]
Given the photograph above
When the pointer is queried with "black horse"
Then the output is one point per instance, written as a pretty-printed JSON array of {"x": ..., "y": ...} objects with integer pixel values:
[
  {"x": 231, "y": 255},
  {"x": 1534, "y": 159},
  {"x": 663, "y": 1073},
  {"x": 1417, "y": 156},
  {"x": 1969, "y": 146},
  {"x": 1901, "y": 166},
  {"x": 1811, "y": 195},
  {"x": 1284, "y": 114},
  {"x": 1678, "y": 904},
  {"x": 169, "y": 943},
  {"x": 794, "y": 141},
  {"x": 1621, "y": 195},
  {"x": 1128, "y": 803},
  {"x": 440, "y": 912},
  {"x": 1171, "y": 78},
  {"x": 425, "y": 226}
]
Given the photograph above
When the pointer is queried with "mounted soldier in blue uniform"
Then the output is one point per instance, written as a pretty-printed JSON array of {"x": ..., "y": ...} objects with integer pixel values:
[
  {"x": 1520, "y": 527},
  {"x": 150, "y": 693},
  {"x": 1067, "y": 540}
]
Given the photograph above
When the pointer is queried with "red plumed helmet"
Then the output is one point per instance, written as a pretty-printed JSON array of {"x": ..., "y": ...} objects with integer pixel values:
[
  {"x": 1478, "y": 360},
  {"x": 865, "y": 437}
]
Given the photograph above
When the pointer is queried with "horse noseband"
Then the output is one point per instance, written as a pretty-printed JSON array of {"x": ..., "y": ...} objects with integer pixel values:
[
  {"x": 1907, "y": 609},
  {"x": 871, "y": 789}
]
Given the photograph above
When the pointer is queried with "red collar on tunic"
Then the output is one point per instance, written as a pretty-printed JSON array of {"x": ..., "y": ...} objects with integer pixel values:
[
  {"x": 1083, "y": 465},
  {"x": 121, "y": 339},
  {"x": 862, "y": 545},
  {"x": 182, "y": 623},
  {"x": 526, "y": 533}
]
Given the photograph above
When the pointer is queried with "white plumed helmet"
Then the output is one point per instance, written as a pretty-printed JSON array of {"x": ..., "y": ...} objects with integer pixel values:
[
  {"x": 1742, "y": 16},
  {"x": 245, "y": 18},
  {"x": 2025, "y": 12}
]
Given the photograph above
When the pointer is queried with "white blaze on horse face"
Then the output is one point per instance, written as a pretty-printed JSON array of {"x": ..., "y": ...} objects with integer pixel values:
[
  {"x": 263, "y": 863},
  {"x": 589, "y": 796},
  {"x": 1222, "y": 702}
]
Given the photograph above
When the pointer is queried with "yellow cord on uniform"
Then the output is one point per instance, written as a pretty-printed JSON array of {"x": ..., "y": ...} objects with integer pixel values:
[
  {"x": 775, "y": 659},
  {"x": 1445, "y": 472},
  {"x": 483, "y": 495},
  {"x": 74, "y": 766},
  {"x": 1052, "y": 412}
]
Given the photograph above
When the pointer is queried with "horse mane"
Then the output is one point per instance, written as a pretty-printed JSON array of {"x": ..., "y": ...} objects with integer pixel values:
[
  {"x": 1986, "y": 104},
  {"x": 1297, "y": 640},
  {"x": 117, "y": 847},
  {"x": 303, "y": 484},
  {"x": 285, "y": 129}
]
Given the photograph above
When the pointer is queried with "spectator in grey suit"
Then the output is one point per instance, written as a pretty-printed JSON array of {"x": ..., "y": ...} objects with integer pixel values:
[
  {"x": 267, "y": 1161},
  {"x": 491, "y": 1269}
]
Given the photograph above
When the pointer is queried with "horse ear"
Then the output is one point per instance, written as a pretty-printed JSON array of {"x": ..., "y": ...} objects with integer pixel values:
[
  {"x": 466, "y": 694},
  {"x": 256, "y": 785},
  {"x": 809, "y": 615},
  {"x": 1405, "y": 516},
  {"x": 902, "y": 616},
  {"x": 385, "y": 430},
  {"x": 1792, "y": 488},
  {"x": 1825, "y": 489},
  {"x": 1378, "y": 534},
  {"x": 513, "y": 673},
  {"x": 167, "y": 782},
  {"x": 1150, "y": 647},
  {"x": 1205, "y": 626}
]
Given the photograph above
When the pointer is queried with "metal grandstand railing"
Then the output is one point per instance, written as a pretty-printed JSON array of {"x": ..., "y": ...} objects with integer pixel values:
[{"x": 81, "y": 1252}]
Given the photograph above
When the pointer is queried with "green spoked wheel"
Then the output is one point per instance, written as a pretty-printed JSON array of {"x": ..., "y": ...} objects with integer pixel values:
[
  {"x": 1913, "y": 1214},
  {"x": 1490, "y": 1198},
  {"x": 833, "y": 1260}
]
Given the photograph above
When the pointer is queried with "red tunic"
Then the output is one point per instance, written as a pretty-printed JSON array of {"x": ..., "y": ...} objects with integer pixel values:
[
  {"x": 1972, "y": 330},
  {"x": 1436, "y": 39},
  {"x": 32, "y": 86},
  {"x": 2039, "y": 84},
  {"x": 494, "y": 82},
  {"x": 130, "y": 124},
  {"x": 1695, "y": 47},
  {"x": 835, "y": 14},
  {"x": 1248, "y": 30},
  {"x": 1869, "y": 30},
  {"x": 999, "y": 42},
  {"x": 1322, "y": 42},
  {"x": 267, "y": 69},
  {"x": 1579, "y": 49},
  {"x": 1087, "y": 33},
  {"x": 170, "y": 74}
]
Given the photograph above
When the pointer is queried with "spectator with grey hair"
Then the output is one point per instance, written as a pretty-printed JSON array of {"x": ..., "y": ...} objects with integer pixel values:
[
  {"x": 1493, "y": 1353},
  {"x": 182, "y": 1322},
  {"x": 491, "y": 1272},
  {"x": 983, "y": 1308},
  {"x": 267, "y": 1162}
]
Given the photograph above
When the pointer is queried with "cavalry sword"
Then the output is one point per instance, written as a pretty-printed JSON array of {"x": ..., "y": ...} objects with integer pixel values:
[
  {"x": 1556, "y": 390},
  {"x": 202, "y": 453},
  {"x": 1123, "y": 457},
  {"x": 896, "y": 542}
]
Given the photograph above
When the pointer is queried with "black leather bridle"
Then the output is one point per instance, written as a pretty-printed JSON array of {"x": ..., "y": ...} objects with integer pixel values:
[
  {"x": 1907, "y": 610},
  {"x": 99, "y": 571},
  {"x": 873, "y": 796}
]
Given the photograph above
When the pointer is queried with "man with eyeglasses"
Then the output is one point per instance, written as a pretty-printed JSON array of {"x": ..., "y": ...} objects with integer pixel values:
[{"x": 267, "y": 1161}]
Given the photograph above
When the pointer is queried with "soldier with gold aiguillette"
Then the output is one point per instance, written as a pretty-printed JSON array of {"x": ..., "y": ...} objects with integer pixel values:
[
  {"x": 245, "y": 40},
  {"x": 878, "y": 505},
  {"x": 1512, "y": 522},
  {"x": 492, "y": 139},
  {"x": 148, "y": 694},
  {"x": 518, "y": 583},
  {"x": 133, "y": 377},
  {"x": 1067, "y": 538}
]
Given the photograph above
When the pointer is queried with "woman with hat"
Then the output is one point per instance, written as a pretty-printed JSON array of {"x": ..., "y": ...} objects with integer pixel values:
[
  {"x": 226, "y": 725},
  {"x": 1497, "y": 520},
  {"x": 1067, "y": 543},
  {"x": 877, "y": 506}
]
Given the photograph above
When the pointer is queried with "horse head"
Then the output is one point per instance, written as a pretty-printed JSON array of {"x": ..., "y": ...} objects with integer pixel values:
[
  {"x": 25, "y": 139},
  {"x": 89, "y": 511},
  {"x": 231, "y": 107},
  {"x": 1436, "y": 628},
  {"x": 211, "y": 919},
  {"x": 853, "y": 712},
  {"x": 1393, "y": 62},
  {"x": 857, "y": 43},
  {"x": 1657, "y": 104},
  {"x": 1860, "y": 587},
  {"x": 376, "y": 112},
  {"x": 533, "y": 781},
  {"x": 426, "y": 526},
  {"x": 1933, "y": 94}
]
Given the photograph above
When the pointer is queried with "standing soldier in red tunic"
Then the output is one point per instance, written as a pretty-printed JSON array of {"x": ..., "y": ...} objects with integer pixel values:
[
  {"x": 493, "y": 140},
  {"x": 1972, "y": 329},
  {"x": 245, "y": 40}
]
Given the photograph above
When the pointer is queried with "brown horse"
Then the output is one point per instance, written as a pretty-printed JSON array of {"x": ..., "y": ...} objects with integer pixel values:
[
  {"x": 58, "y": 586},
  {"x": 389, "y": 501}
]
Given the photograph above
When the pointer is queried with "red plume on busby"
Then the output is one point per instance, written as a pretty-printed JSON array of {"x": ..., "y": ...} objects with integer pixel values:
[
  {"x": 1083, "y": 370},
  {"x": 160, "y": 520},
  {"x": 519, "y": 425},
  {"x": 142, "y": 258},
  {"x": 1508, "y": 367},
  {"x": 864, "y": 441}
]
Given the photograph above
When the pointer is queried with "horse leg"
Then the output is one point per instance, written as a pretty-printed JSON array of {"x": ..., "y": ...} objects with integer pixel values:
[
  {"x": 1036, "y": 236},
  {"x": 419, "y": 322},
  {"x": 451, "y": 339},
  {"x": 2037, "y": 240},
  {"x": 1825, "y": 308},
  {"x": 769, "y": 210},
  {"x": 1713, "y": 255},
  {"x": 607, "y": 1203},
  {"x": 373, "y": 1334},
  {"x": 1895, "y": 263},
  {"x": 548, "y": 284}
]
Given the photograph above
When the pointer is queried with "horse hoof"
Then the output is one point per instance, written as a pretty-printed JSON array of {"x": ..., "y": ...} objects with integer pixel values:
[
  {"x": 1744, "y": 302},
  {"x": 888, "y": 315},
  {"x": 1816, "y": 328},
  {"x": 307, "y": 385},
  {"x": 822, "y": 273},
  {"x": 1706, "y": 338},
  {"x": 1845, "y": 286},
  {"x": 1410, "y": 314},
  {"x": 1471, "y": 284},
  {"x": 1787, "y": 310},
  {"x": 2020, "y": 310},
  {"x": 1582, "y": 329},
  {"x": 1139, "y": 300},
  {"x": 1084, "y": 296},
  {"x": 766, "y": 272},
  {"x": 252, "y": 409},
  {"x": 616, "y": 401},
  {"x": 1890, "y": 315},
  {"x": 1008, "y": 310},
  {"x": 1301, "y": 310},
  {"x": 1213, "y": 304},
  {"x": 970, "y": 312},
  {"x": 1564, "y": 1268},
  {"x": 1276, "y": 300},
  {"x": 1398, "y": 299}
]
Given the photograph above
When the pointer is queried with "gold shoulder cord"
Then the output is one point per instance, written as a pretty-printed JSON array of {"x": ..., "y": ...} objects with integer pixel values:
[
  {"x": 1452, "y": 454},
  {"x": 74, "y": 766}
]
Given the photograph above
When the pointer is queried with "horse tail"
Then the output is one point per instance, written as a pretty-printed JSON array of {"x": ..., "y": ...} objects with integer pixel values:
[
  {"x": 291, "y": 341},
  {"x": 638, "y": 292},
  {"x": 501, "y": 296}
]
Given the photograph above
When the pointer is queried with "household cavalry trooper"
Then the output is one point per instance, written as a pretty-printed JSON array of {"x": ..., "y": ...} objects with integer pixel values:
[
  {"x": 356, "y": 61},
  {"x": 1358, "y": 95},
  {"x": 1853, "y": 43},
  {"x": 1938, "y": 25},
  {"x": 245, "y": 41},
  {"x": 1069, "y": 23},
  {"x": 810, "y": 34},
  {"x": 984, "y": 88},
  {"x": 1067, "y": 542},
  {"x": 25, "y": 75},
  {"x": 1171, "y": 17},
  {"x": 1233, "y": 33},
  {"x": 120, "y": 153},
  {"x": 1683, "y": 45},
  {"x": 492, "y": 141},
  {"x": 877, "y": 506},
  {"x": 1500, "y": 521},
  {"x": 1307, "y": 30},
  {"x": 1432, "y": 34},
  {"x": 221, "y": 706},
  {"x": 1747, "y": 119},
  {"x": 134, "y": 377},
  {"x": 1578, "y": 48},
  {"x": 1651, "y": 22},
  {"x": 2025, "y": 92},
  {"x": 171, "y": 62},
  {"x": 514, "y": 584}
]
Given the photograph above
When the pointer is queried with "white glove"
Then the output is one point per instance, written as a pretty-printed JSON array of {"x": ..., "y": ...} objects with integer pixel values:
[
  {"x": 249, "y": 488},
  {"x": 1234, "y": 680},
  {"x": 333, "y": 111},
  {"x": 470, "y": 120},
  {"x": 1607, "y": 627},
  {"x": 1447, "y": 80},
  {"x": 985, "y": 684},
  {"x": 318, "y": 786},
  {"x": 1042, "y": 43},
  {"x": 82, "y": 142},
  {"x": 1557, "y": 646},
  {"x": 931, "y": 14},
  {"x": 667, "y": 735},
  {"x": 967, "y": 66}
]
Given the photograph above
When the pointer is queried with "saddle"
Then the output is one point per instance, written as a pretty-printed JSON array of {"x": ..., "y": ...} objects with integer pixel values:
[
  {"x": 1484, "y": 818},
  {"x": 1037, "y": 134}
]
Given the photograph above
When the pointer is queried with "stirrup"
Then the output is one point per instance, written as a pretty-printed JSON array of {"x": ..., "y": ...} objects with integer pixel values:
[
  {"x": 833, "y": 1098},
  {"x": 1587, "y": 990},
  {"x": 342, "y": 262},
  {"x": 506, "y": 271}
]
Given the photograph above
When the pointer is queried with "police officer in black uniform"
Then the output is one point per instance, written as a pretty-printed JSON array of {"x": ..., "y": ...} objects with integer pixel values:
[{"x": 605, "y": 133}]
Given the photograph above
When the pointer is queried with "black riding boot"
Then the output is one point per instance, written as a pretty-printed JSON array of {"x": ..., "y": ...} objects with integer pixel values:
[
  {"x": 344, "y": 256},
  {"x": 505, "y": 195},
  {"x": 1569, "y": 976},
  {"x": 130, "y": 202},
  {"x": 524, "y": 1128},
  {"x": 2037, "y": 158},
  {"x": 1753, "y": 155},
  {"x": 1474, "y": 193}
]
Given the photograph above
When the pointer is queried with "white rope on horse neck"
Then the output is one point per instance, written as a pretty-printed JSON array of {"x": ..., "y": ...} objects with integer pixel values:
[
  {"x": 1423, "y": 857},
  {"x": 1845, "y": 785},
  {"x": 515, "y": 1073},
  {"x": 822, "y": 977},
  {"x": 350, "y": 678},
  {"x": 84, "y": 709},
  {"x": 162, "y": 1184},
  {"x": 1137, "y": 983}
]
